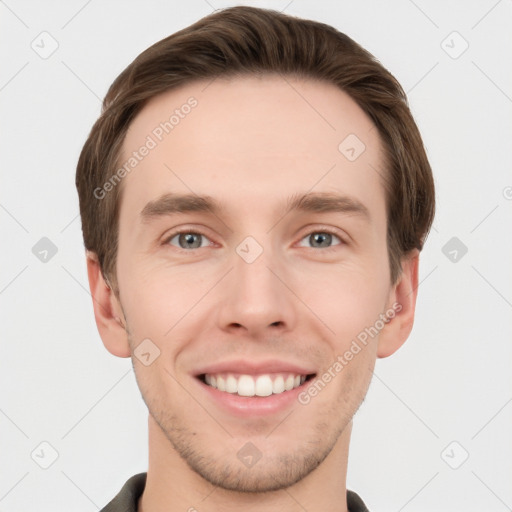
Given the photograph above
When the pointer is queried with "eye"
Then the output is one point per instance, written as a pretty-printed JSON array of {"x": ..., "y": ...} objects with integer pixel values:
[
  {"x": 321, "y": 239},
  {"x": 188, "y": 240}
]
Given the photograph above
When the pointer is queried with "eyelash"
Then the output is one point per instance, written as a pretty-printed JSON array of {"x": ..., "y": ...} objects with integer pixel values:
[{"x": 309, "y": 233}]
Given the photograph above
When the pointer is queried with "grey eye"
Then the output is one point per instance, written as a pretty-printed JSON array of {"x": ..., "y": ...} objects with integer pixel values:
[
  {"x": 320, "y": 239},
  {"x": 189, "y": 240}
]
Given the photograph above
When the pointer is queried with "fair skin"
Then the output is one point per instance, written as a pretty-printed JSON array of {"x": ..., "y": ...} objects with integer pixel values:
[{"x": 250, "y": 144}]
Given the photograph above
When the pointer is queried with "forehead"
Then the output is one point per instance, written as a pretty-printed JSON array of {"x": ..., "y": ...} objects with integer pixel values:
[{"x": 251, "y": 140}]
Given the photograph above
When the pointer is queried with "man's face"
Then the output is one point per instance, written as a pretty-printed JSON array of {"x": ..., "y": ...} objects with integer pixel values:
[{"x": 254, "y": 296}]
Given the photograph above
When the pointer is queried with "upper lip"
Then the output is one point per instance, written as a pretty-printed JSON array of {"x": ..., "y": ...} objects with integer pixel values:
[{"x": 251, "y": 367}]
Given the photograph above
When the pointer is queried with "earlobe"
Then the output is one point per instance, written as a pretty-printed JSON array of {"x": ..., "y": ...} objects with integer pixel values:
[
  {"x": 401, "y": 308},
  {"x": 107, "y": 310}
]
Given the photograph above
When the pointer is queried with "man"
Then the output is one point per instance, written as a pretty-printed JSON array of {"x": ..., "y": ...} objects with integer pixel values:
[{"x": 254, "y": 198}]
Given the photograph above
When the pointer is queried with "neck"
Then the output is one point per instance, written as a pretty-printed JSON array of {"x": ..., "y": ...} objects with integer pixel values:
[{"x": 173, "y": 486}]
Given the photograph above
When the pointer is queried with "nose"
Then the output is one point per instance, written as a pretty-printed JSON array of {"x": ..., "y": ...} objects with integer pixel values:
[{"x": 256, "y": 297}]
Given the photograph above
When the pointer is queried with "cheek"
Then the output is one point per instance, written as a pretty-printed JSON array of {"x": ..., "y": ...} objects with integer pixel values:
[
  {"x": 158, "y": 301},
  {"x": 346, "y": 298}
]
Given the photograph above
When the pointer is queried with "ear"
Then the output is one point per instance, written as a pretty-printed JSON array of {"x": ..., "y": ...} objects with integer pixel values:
[
  {"x": 107, "y": 310},
  {"x": 401, "y": 307}
]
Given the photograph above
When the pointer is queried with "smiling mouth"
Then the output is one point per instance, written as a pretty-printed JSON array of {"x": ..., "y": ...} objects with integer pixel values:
[{"x": 254, "y": 385}]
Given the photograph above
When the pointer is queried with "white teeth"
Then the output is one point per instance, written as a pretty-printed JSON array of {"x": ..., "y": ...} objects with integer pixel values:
[
  {"x": 263, "y": 386},
  {"x": 245, "y": 385},
  {"x": 231, "y": 385},
  {"x": 248, "y": 385},
  {"x": 278, "y": 385}
]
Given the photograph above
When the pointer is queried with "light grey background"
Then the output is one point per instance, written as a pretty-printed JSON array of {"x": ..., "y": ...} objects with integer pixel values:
[{"x": 451, "y": 382}]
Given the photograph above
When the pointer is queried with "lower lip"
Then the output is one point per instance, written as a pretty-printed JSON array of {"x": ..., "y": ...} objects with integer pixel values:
[{"x": 245, "y": 407}]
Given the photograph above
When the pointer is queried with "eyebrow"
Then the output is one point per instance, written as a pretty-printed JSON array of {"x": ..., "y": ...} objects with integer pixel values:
[{"x": 314, "y": 202}]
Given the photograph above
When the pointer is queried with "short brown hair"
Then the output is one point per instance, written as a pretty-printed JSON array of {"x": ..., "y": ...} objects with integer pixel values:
[{"x": 240, "y": 41}]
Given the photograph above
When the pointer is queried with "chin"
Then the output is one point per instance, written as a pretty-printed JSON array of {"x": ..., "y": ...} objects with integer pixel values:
[
  {"x": 265, "y": 476},
  {"x": 251, "y": 464}
]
